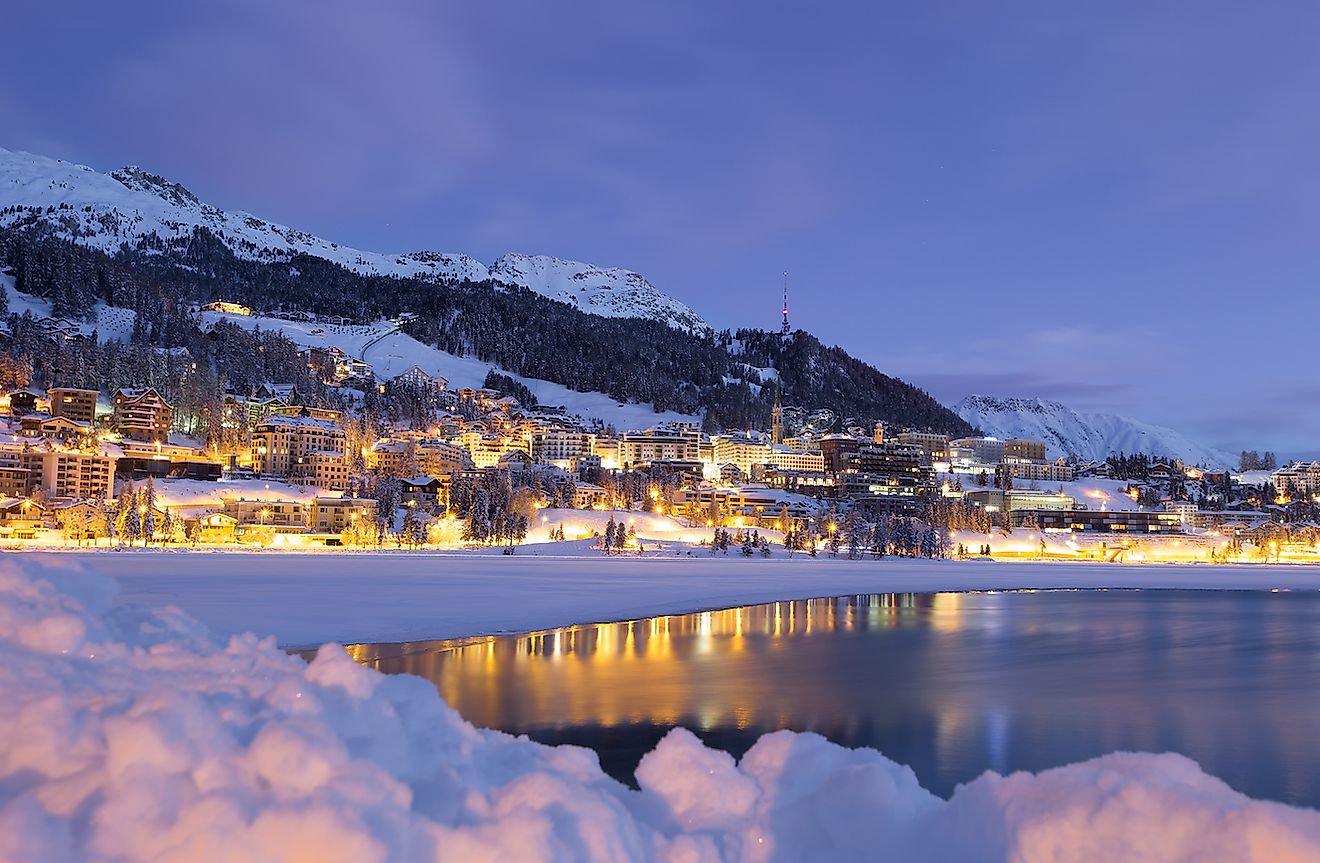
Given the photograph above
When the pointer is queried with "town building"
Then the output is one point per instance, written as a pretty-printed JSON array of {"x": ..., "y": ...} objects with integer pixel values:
[
  {"x": 995, "y": 500},
  {"x": 976, "y": 451},
  {"x": 418, "y": 377},
  {"x": 20, "y": 518},
  {"x": 1102, "y": 521},
  {"x": 561, "y": 446},
  {"x": 800, "y": 461},
  {"x": 743, "y": 450},
  {"x": 75, "y": 404},
  {"x": 837, "y": 448},
  {"x": 589, "y": 496},
  {"x": 60, "y": 474},
  {"x": 1297, "y": 481},
  {"x": 142, "y": 413},
  {"x": 1037, "y": 471},
  {"x": 647, "y": 446},
  {"x": 1024, "y": 450},
  {"x": 285, "y": 516},
  {"x": 748, "y": 505},
  {"x": 436, "y": 458},
  {"x": 334, "y": 514},
  {"x": 935, "y": 446},
  {"x": 424, "y": 492},
  {"x": 300, "y": 448},
  {"x": 1187, "y": 511}
]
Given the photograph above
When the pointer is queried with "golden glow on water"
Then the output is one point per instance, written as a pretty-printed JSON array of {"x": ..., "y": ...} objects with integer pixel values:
[
  {"x": 951, "y": 683},
  {"x": 594, "y": 673}
]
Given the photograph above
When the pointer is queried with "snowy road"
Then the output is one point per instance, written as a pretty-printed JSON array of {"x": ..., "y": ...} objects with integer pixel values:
[{"x": 307, "y": 599}]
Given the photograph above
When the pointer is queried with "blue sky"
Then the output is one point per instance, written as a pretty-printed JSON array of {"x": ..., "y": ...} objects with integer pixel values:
[{"x": 1114, "y": 206}]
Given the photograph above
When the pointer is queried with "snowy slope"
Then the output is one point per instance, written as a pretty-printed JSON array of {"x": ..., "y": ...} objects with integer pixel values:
[
  {"x": 1085, "y": 435},
  {"x": 391, "y": 353},
  {"x": 107, "y": 210},
  {"x": 108, "y": 322},
  {"x": 612, "y": 292}
]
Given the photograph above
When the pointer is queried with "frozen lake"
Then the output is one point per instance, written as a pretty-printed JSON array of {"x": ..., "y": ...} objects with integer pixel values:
[{"x": 952, "y": 684}]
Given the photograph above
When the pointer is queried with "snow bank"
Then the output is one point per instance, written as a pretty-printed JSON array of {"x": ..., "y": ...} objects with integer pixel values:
[
  {"x": 128, "y": 734},
  {"x": 583, "y": 523}
]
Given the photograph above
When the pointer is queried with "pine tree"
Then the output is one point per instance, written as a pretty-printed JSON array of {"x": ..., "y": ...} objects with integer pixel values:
[
  {"x": 148, "y": 505},
  {"x": 132, "y": 519}
]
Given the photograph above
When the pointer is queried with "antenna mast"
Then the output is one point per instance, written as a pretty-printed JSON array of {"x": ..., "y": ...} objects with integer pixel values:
[
  {"x": 785, "y": 330},
  {"x": 777, "y": 413}
]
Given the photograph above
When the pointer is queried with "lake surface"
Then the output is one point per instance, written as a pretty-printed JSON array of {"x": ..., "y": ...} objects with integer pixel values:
[{"x": 952, "y": 684}]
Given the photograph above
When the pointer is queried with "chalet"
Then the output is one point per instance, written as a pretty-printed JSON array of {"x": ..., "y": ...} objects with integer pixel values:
[
  {"x": 423, "y": 492},
  {"x": 44, "y": 425},
  {"x": 589, "y": 496},
  {"x": 212, "y": 526},
  {"x": 80, "y": 519},
  {"x": 1160, "y": 472},
  {"x": 228, "y": 308},
  {"x": 20, "y": 518},
  {"x": 23, "y": 402},
  {"x": 142, "y": 413},
  {"x": 415, "y": 376}
]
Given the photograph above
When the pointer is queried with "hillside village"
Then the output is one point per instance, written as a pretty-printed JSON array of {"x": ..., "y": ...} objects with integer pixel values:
[
  {"x": 436, "y": 466},
  {"x": 175, "y": 374}
]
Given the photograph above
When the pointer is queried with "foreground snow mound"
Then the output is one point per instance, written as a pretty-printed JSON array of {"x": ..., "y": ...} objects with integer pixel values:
[{"x": 128, "y": 734}]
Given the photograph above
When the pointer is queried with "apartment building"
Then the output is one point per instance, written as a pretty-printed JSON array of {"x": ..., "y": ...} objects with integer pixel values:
[
  {"x": 1024, "y": 450},
  {"x": 286, "y": 516},
  {"x": 1301, "y": 479},
  {"x": 560, "y": 445},
  {"x": 935, "y": 446},
  {"x": 76, "y": 404},
  {"x": 60, "y": 474},
  {"x": 333, "y": 514},
  {"x": 655, "y": 444},
  {"x": 303, "y": 448},
  {"x": 744, "y": 451}
]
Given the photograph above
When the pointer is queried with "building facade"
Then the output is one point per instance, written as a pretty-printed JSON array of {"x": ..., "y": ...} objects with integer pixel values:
[
  {"x": 78, "y": 405},
  {"x": 141, "y": 412},
  {"x": 302, "y": 448}
]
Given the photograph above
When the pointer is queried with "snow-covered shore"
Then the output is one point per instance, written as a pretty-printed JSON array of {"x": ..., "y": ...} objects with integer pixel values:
[
  {"x": 131, "y": 734},
  {"x": 307, "y": 599}
]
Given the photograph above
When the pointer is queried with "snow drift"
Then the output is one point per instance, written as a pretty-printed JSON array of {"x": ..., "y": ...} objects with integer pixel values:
[{"x": 129, "y": 734}]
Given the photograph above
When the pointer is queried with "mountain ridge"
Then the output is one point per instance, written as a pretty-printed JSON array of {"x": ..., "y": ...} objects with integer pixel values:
[
  {"x": 106, "y": 210},
  {"x": 80, "y": 239},
  {"x": 1088, "y": 436}
]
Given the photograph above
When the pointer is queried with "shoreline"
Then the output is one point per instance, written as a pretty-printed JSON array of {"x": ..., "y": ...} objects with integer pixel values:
[{"x": 310, "y": 599}]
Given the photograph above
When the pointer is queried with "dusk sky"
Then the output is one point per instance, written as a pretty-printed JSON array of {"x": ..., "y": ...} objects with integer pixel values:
[{"x": 1117, "y": 207}]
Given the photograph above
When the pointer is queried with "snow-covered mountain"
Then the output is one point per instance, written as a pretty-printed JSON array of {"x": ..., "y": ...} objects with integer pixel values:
[
  {"x": 106, "y": 210},
  {"x": 1085, "y": 435},
  {"x": 611, "y": 292}
]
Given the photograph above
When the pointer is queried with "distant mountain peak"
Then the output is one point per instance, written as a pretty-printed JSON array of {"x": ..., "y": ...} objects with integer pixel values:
[
  {"x": 1088, "y": 436},
  {"x": 141, "y": 180}
]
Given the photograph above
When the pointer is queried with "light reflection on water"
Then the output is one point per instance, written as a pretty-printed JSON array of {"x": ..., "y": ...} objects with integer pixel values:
[{"x": 950, "y": 683}]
